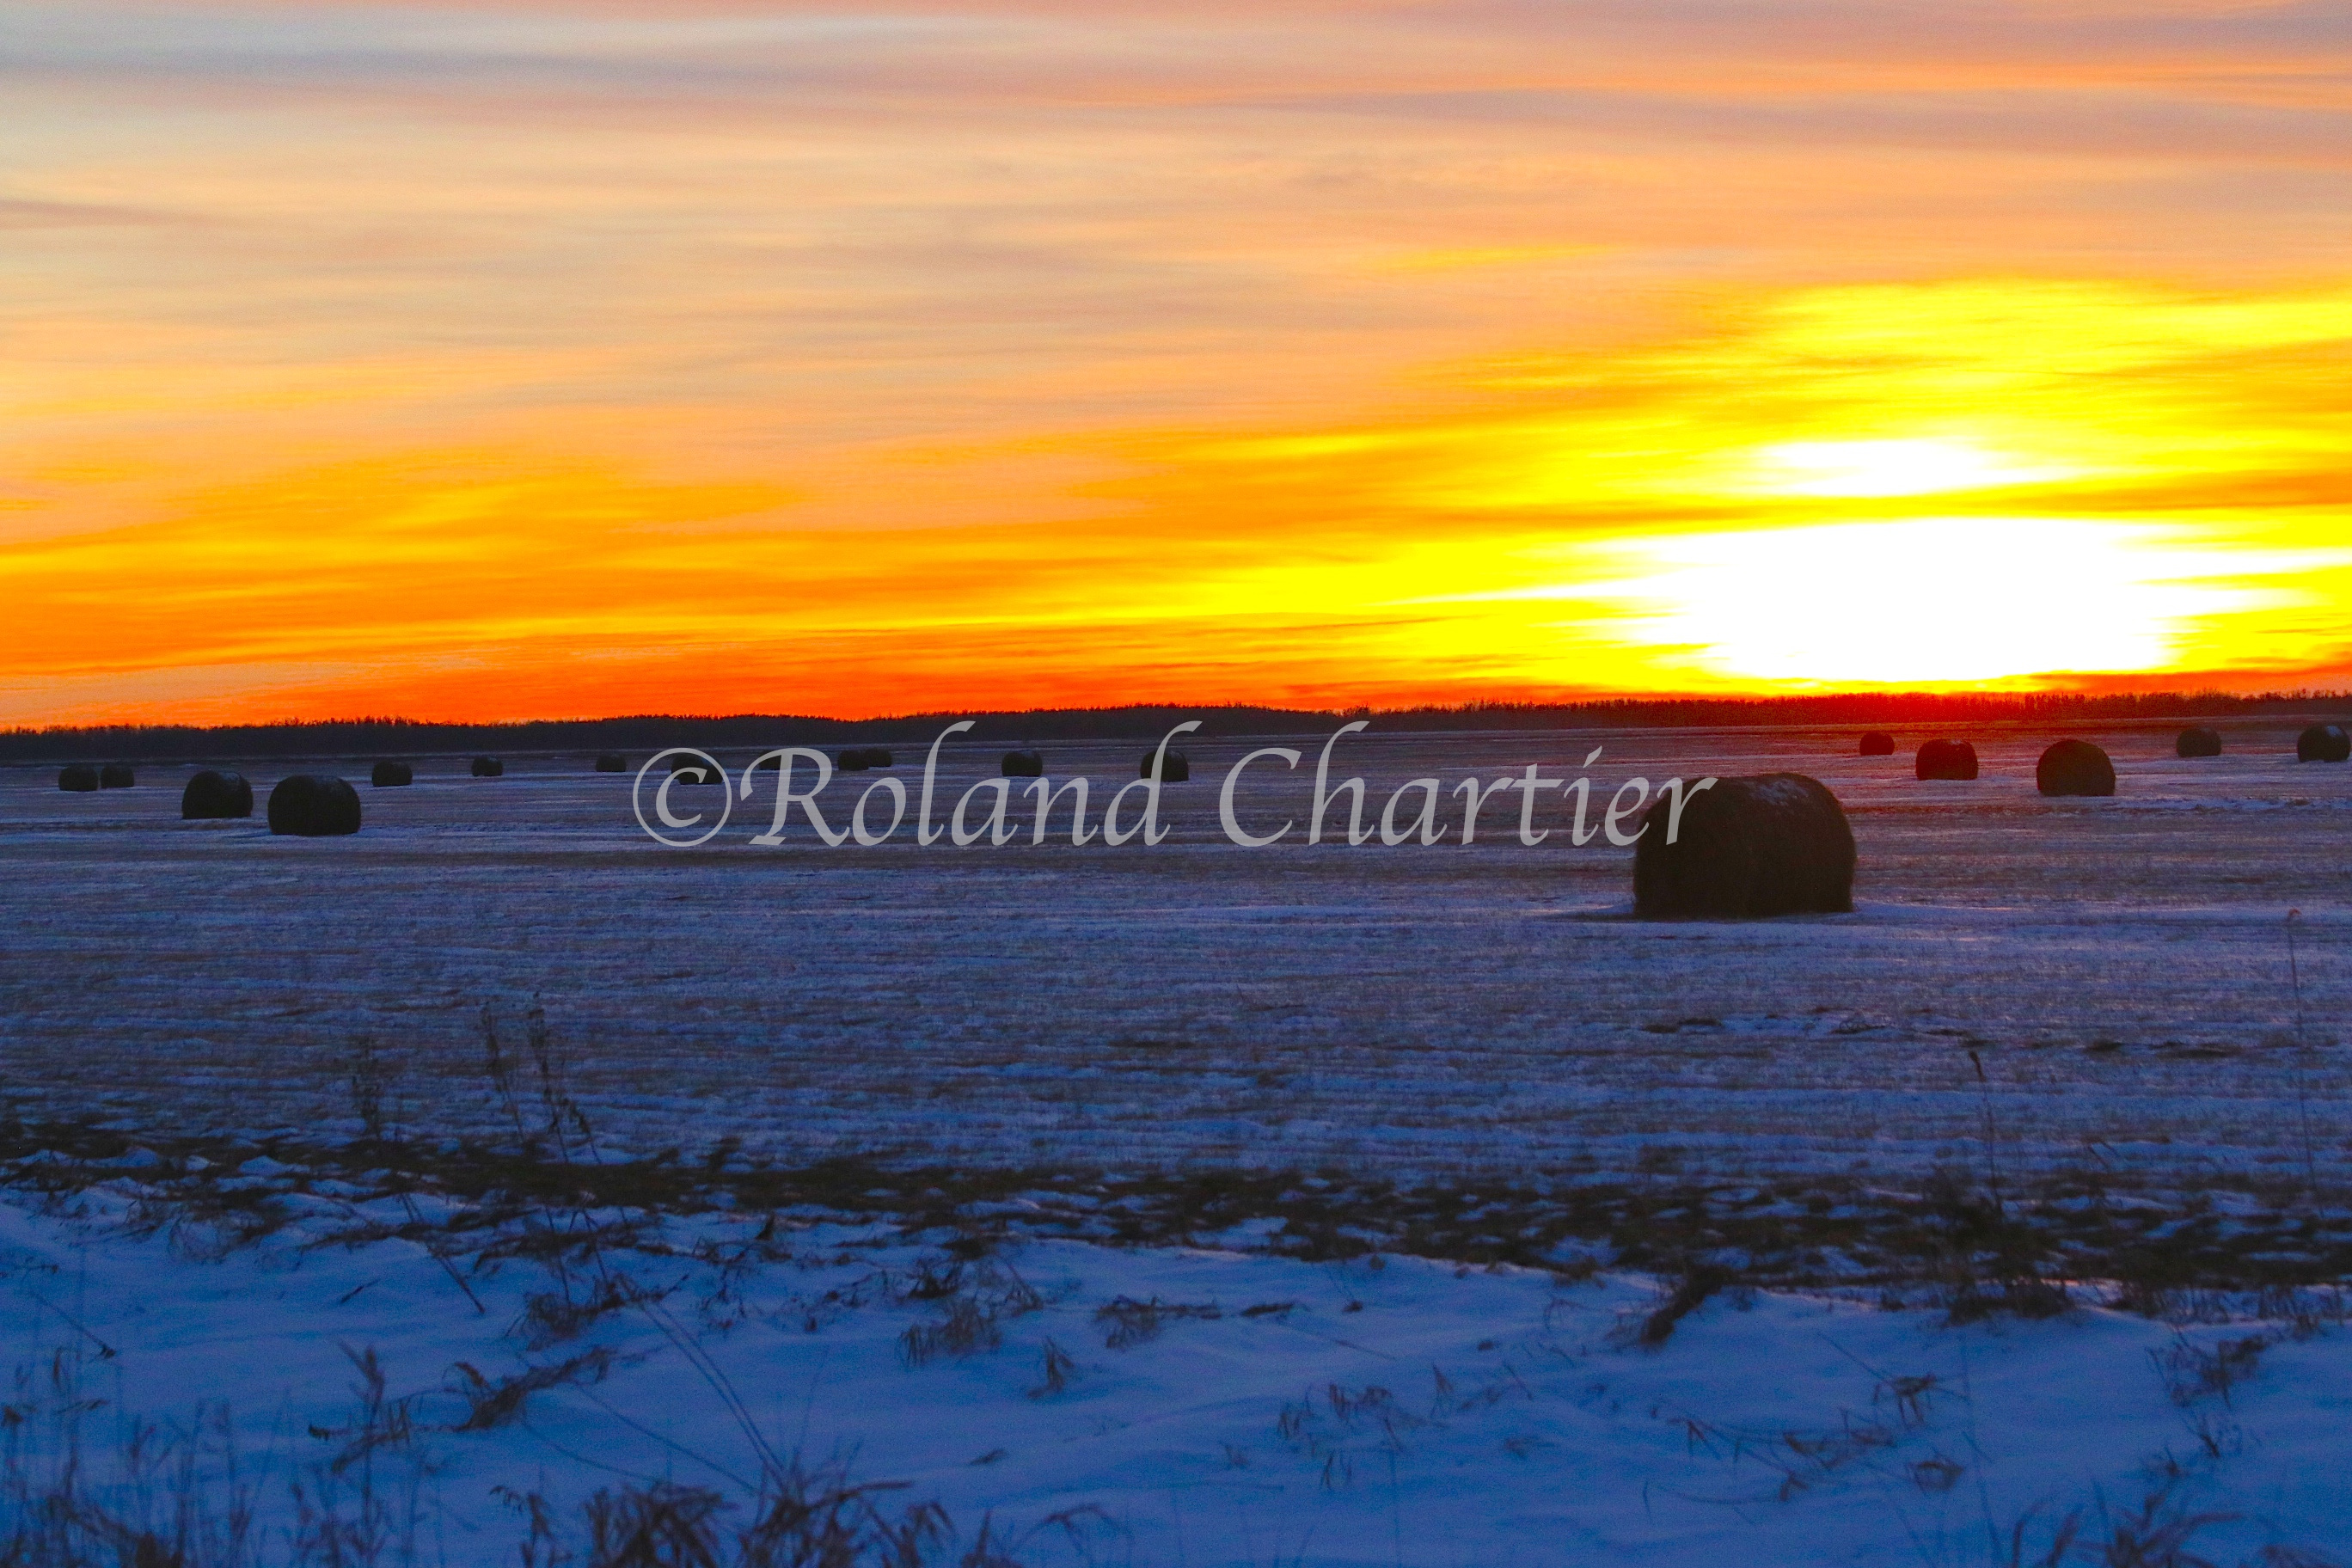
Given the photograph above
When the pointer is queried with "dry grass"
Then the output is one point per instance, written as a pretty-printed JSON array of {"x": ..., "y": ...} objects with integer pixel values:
[{"x": 184, "y": 1497}]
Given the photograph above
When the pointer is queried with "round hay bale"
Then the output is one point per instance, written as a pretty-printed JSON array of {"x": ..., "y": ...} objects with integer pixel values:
[
  {"x": 1878, "y": 743},
  {"x": 691, "y": 771},
  {"x": 1946, "y": 760},
  {"x": 2196, "y": 741},
  {"x": 1178, "y": 770},
  {"x": 1777, "y": 844},
  {"x": 80, "y": 778},
  {"x": 855, "y": 760},
  {"x": 878, "y": 757},
  {"x": 2323, "y": 743},
  {"x": 1024, "y": 764},
  {"x": 2074, "y": 767},
  {"x": 213, "y": 794},
  {"x": 490, "y": 768},
  {"x": 314, "y": 805},
  {"x": 116, "y": 775},
  {"x": 611, "y": 763},
  {"x": 392, "y": 775}
]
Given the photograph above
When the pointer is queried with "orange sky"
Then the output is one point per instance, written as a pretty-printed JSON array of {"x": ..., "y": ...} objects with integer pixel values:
[{"x": 514, "y": 360}]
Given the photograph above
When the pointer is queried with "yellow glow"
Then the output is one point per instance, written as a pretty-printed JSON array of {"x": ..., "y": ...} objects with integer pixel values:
[
  {"x": 1937, "y": 600},
  {"x": 1928, "y": 601},
  {"x": 1897, "y": 468},
  {"x": 2127, "y": 484}
]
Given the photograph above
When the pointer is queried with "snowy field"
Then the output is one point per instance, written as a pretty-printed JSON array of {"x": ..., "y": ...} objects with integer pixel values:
[
  {"x": 2121, "y": 969},
  {"x": 1194, "y": 1406},
  {"x": 1189, "y": 1205}
]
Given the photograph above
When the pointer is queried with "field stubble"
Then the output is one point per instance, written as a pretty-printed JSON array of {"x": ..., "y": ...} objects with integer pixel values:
[{"x": 2117, "y": 970}]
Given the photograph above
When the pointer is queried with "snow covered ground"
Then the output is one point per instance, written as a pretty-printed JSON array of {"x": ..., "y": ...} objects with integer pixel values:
[
  {"x": 1203, "y": 1406},
  {"x": 2120, "y": 969}
]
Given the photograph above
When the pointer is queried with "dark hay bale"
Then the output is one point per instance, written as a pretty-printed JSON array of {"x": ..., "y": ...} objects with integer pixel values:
[
  {"x": 1878, "y": 743},
  {"x": 2323, "y": 743},
  {"x": 314, "y": 805},
  {"x": 79, "y": 777},
  {"x": 488, "y": 768},
  {"x": 1777, "y": 844},
  {"x": 1178, "y": 769},
  {"x": 2196, "y": 741},
  {"x": 1946, "y": 760},
  {"x": 116, "y": 775},
  {"x": 611, "y": 763},
  {"x": 392, "y": 775},
  {"x": 2074, "y": 767},
  {"x": 880, "y": 757},
  {"x": 855, "y": 760},
  {"x": 1024, "y": 764},
  {"x": 691, "y": 771},
  {"x": 213, "y": 794}
]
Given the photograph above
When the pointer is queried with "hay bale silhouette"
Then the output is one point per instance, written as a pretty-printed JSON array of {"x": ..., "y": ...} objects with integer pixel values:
[
  {"x": 855, "y": 760},
  {"x": 1777, "y": 844},
  {"x": 878, "y": 757},
  {"x": 2196, "y": 741},
  {"x": 1025, "y": 764},
  {"x": 691, "y": 771},
  {"x": 2323, "y": 743},
  {"x": 314, "y": 805},
  {"x": 1178, "y": 769},
  {"x": 392, "y": 775},
  {"x": 1878, "y": 743},
  {"x": 213, "y": 794},
  {"x": 1946, "y": 760},
  {"x": 2074, "y": 767},
  {"x": 81, "y": 778},
  {"x": 488, "y": 768},
  {"x": 116, "y": 775},
  {"x": 611, "y": 763}
]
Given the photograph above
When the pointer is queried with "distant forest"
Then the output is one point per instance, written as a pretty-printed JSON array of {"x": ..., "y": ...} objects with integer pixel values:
[{"x": 371, "y": 737}]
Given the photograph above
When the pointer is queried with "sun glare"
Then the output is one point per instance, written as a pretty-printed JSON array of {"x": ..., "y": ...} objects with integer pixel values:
[
  {"x": 1906, "y": 467},
  {"x": 1932, "y": 601}
]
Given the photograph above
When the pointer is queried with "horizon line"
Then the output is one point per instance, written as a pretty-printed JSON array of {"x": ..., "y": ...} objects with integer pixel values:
[{"x": 1850, "y": 706}]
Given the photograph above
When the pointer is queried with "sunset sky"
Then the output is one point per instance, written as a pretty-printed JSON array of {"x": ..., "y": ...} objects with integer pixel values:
[{"x": 539, "y": 358}]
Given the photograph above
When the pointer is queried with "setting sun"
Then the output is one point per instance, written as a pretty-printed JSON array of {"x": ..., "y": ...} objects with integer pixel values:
[{"x": 1939, "y": 601}]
